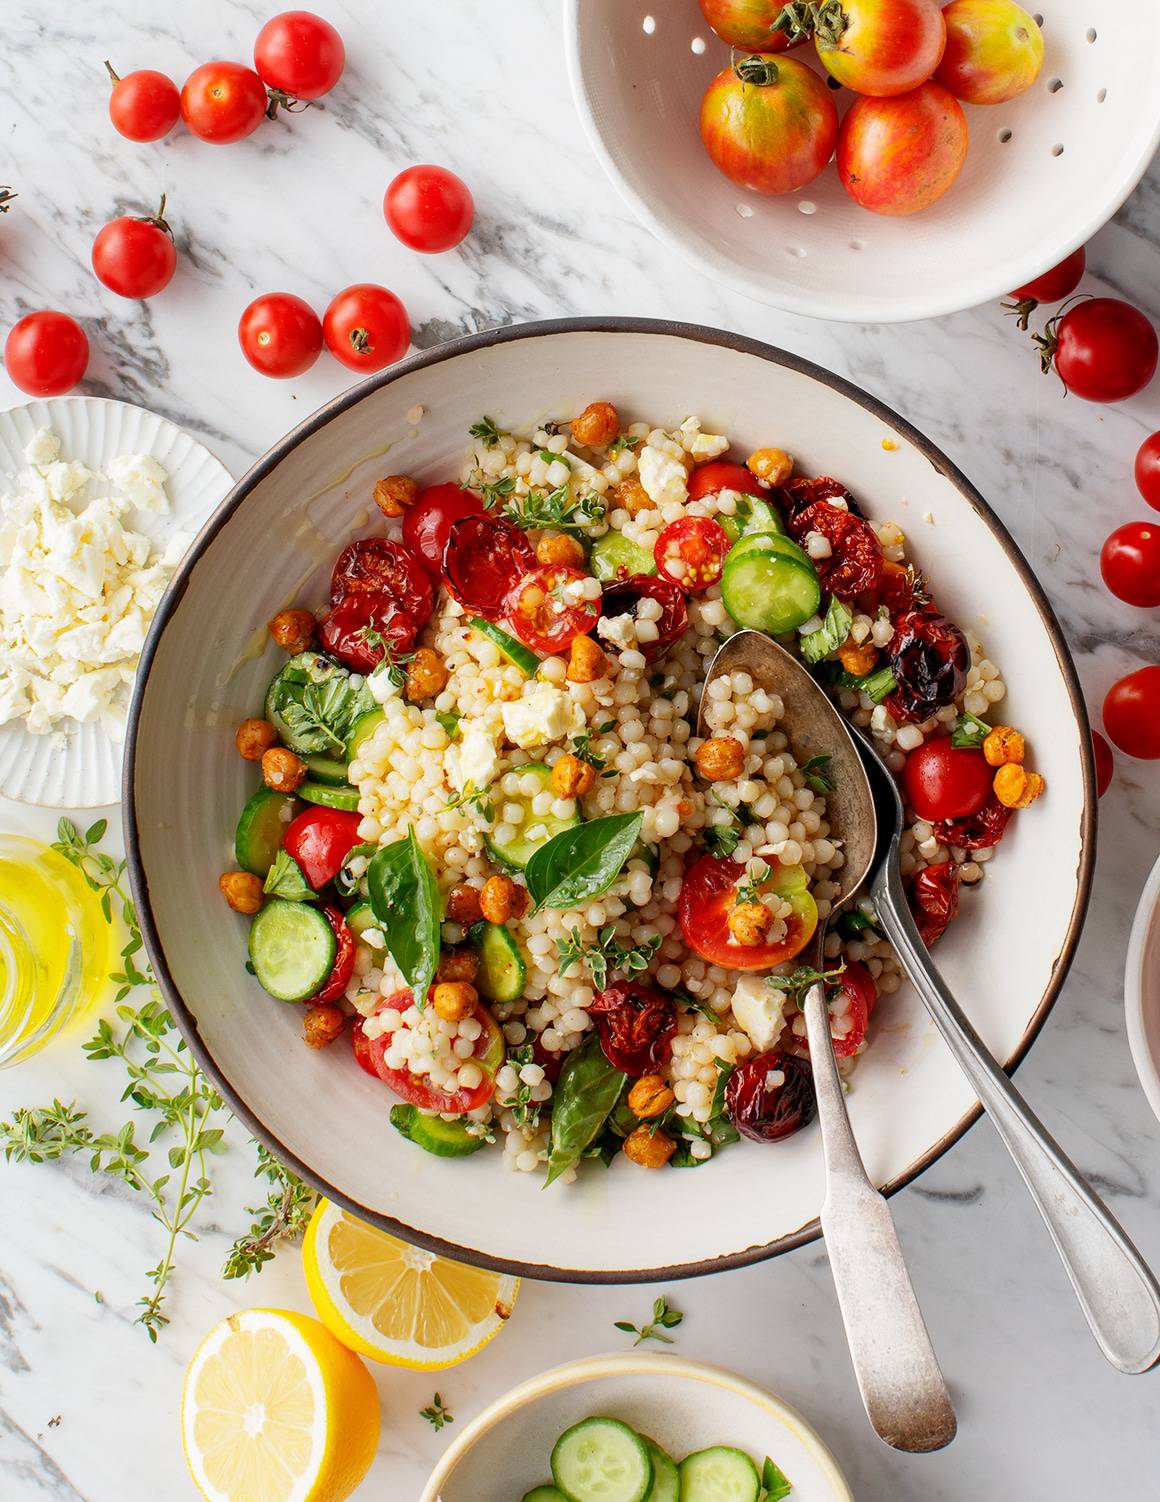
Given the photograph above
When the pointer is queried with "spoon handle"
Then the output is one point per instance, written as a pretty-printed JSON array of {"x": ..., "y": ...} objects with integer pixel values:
[
  {"x": 1116, "y": 1290},
  {"x": 898, "y": 1373}
]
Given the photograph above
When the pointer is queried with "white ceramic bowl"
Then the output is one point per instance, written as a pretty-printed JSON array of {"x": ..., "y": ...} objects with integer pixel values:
[
  {"x": 1142, "y": 989},
  {"x": 682, "y": 1405},
  {"x": 1043, "y": 174},
  {"x": 206, "y": 666}
]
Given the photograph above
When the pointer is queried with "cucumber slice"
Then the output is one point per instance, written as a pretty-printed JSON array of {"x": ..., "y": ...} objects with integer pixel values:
[
  {"x": 446, "y": 1139},
  {"x": 361, "y": 731},
  {"x": 544, "y": 1494},
  {"x": 326, "y": 769},
  {"x": 361, "y": 920},
  {"x": 502, "y": 971},
  {"x": 513, "y": 855},
  {"x": 258, "y": 837},
  {"x": 769, "y": 542},
  {"x": 615, "y": 556},
  {"x": 326, "y": 796},
  {"x": 288, "y": 688},
  {"x": 768, "y": 590},
  {"x": 720, "y": 1474},
  {"x": 666, "y": 1485},
  {"x": 292, "y": 949},
  {"x": 515, "y": 651},
  {"x": 602, "y": 1460},
  {"x": 753, "y": 515}
]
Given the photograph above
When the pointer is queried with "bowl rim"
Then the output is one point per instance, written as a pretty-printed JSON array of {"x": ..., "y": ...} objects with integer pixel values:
[
  {"x": 1147, "y": 917},
  {"x": 594, "y": 1368},
  {"x": 740, "y": 343},
  {"x": 847, "y": 309}
]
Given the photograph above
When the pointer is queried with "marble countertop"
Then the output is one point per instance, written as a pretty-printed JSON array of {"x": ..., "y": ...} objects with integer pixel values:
[{"x": 88, "y": 1408}]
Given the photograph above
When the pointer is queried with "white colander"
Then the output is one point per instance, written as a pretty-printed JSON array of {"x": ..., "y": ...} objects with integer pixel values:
[{"x": 1043, "y": 173}]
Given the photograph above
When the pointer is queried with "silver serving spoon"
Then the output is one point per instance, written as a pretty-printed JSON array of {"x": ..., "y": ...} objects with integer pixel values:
[{"x": 898, "y": 1373}]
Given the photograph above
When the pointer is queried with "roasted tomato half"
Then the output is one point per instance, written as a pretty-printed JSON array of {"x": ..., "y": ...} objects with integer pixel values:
[
  {"x": 635, "y": 1026},
  {"x": 320, "y": 839},
  {"x": 981, "y": 831},
  {"x": 489, "y": 1055},
  {"x": 625, "y": 595},
  {"x": 378, "y": 566},
  {"x": 850, "y": 1008},
  {"x": 771, "y": 1096},
  {"x": 854, "y": 566},
  {"x": 483, "y": 560},
  {"x": 707, "y": 896},
  {"x": 546, "y": 610},
  {"x": 929, "y": 657},
  {"x": 359, "y": 629},
  {"x": 428, "y": 521},
  {"x": 339, "y": 978},
  {"x": 934, "y": 900}
]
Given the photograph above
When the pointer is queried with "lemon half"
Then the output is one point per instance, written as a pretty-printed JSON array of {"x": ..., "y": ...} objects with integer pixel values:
[{"x": 395, "y": 1303}]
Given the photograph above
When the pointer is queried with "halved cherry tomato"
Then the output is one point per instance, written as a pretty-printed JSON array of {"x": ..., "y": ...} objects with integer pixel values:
[
  {"x": 707, "y": 896},
  {"x": 929, "y": 658},
  {"x": 854, "y": 1001},
  {"x": 766, "y": 1109},
  {"x": 934, "y": 900},
  {"x": 340, "y": 975},
  {"x": 489, "y": 1054},
  {"x": 697, "y": 546},
  {"x": 542, "y": 613},
  {"x": 484, "y": 558},
  {"x": 1132, "y": 714},
  {"x": 1148, "y": 471},
  {"x": 854, "y": 566},
  {"x": 710, "y": 479},
  {"x": 635, "y": 1026},
  {"x": 320, "y": 839},
  {"x": 625, "y": 595},
  {"x": 1105, "y": 763},
  {"x": 377, "y": 565},
  {"x": 1130, "y": 563},
  {"x": 356, "y": 629},
  {"x": 981, "y": 831},
  {"x": 429, "y": 519},
  {"x": 946, "y": 782}
]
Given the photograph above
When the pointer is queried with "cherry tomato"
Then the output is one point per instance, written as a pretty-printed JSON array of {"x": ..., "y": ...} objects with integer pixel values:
[
  {"x": 428, "y": 520},
  {"x": 980, "y": 831},
  {"x": 798, "y": 493},
  {"x": 46, "y": 354},
  {"x": 994, "y": 51},
  {"x": 320, "y": 839},
  {"x": 876, "y": 47},
  {"x": 897, "y": 156},
  {"x": 378, "y": 565},
  {"x": 1105, "y": 763},
  {"x": 1053, "y": 286},
  {"x": 280, "y": 335},
  {"x": 135, "y": 257},
  {"x": 769, "y": 125},
  {"x": 747, "y": 23},
  {"x": 1132, "y": 714},
  {"x": 707, "y": 896},
  {"x": 299, "y": 55},
  {"x": 934, "y": 900},
  {"x": 343, "y": 969},
  {"x": 850, "y": 1009},
  {"x": 1148, "y": 471},
  {"x": 854, "y": 566},
  {"x": 1130, "y": 563},
  {"x": 718, "y": 475},
  {"x": 625, "y": 595},
  {"x": 766, "y": 1108},
  {"x": 691, "y": 552},
  {"x": 635, "y": 1025},
  {"x": 542, "y": 612},
  {"x": 489, "y": 1054},
  {"x": 895, "y": 590},
  {"x": 929, "y": 658},
  {"x": 429, "y": 208},
  {"x": 144, "y": 105},
  {"x": 1104, "y": 349},
  {"x": 484, "y": 558},
  {"x": 223, "y": 102},
  {"x": 366, "y": 327},
  {"x": 358, "y": 629},
  {"x": 946, "y": 782}
]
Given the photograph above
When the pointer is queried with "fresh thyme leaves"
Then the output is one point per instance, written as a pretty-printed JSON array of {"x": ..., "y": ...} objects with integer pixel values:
[
  {"x": 320, "y": 715},
  {"x": 450, "y": 722},
  {"x": 473, "y": 797},
  {"x": 525, "y": 1110},
  {"x": 606, "y": 955},
  {"x": 803, "y": 977},
  {"x": 392, "y": 664},
  {"x": 436, "y": 1414},
  {"x": 695, "y": 1004},
  {"x": 557, "y": 509},
  {"x": 750, "y": 889},
  {"x": 495, "y": 490},
  {"x": 104, "y": 876},
  {"x": 722, "y": 840},
  {"x": 550, "y": 458},
  {"x": 289, "y": 1205},
  {"x": 582, "y": 744},
  {"x": 486, "y": 431},
  {"x": 625, "y": 441},
  {"x": 664, "y": 1317},
  {"x": 816, "y": 772},
  {"x": 969, "y": 730}
]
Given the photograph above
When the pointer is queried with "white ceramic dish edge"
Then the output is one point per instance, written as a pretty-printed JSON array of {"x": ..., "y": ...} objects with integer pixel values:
[{"x": 1141, "y": 1004}]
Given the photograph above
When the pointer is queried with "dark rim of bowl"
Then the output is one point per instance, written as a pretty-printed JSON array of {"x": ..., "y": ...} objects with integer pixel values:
[{"x": 187, "y": 1022}]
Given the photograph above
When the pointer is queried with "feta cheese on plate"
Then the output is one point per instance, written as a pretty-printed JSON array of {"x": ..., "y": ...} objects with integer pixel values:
[{"x": 544, "y": 714}]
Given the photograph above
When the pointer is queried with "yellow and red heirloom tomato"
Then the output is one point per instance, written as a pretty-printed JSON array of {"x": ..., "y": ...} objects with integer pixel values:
[
  {"x": 994, "y": 51},
  {"x": 898, "y": 156},
  {"x": 876, "y": 47},
  {"x": 747, "y": 23},
  {"x": 769, "y": 124}
]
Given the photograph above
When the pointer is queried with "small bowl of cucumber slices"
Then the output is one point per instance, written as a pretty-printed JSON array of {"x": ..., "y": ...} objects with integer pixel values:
[{"x": 637, "y": 1428}]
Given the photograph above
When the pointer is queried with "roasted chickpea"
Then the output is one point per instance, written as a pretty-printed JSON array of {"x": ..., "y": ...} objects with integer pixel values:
[
  {"x": 254, "y": 738},
  {"x": 457, "y": 964},
  {"x": 721, "y": 758},
  {"x": 1016, "y": 787},
  {"x": 292, "y": 630},
  {"x": 774, "y": 466},
  {"x": 282, "y": 770},
  {"x": 558, "y": 549},
  {"x": 749, "y": 923},
  {"x": 586, "y": 661},
  {"x": 572, "y": 778},
  {"x": 1004, "y": 745},
  {"x": 648, "y": 1148},
  {"x": 502, "y": 899},
  {"x": 650, "y": 1097},
  {"x": 597, "y": 425},
  {"x": 426, "y": 676},
  {"x": 463, "y": 906},
  {"x": 394, "y": 494},
  {"x": 631, "y": 496},
  {"x": 322, "y": 1024},
  {"x": 454, "y": 999},
  {"x": 242, "y": 890},
  {"x": 858, "y": 658}
]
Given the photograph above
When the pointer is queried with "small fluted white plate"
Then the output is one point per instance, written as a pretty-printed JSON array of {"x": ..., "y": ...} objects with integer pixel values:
[
  {"x": 1142, "y": 990},
  {"x": 80, "y": 767}
]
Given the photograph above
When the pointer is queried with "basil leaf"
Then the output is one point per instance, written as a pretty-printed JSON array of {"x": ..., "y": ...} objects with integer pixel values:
[
  {"x": 830, "y": 635},
  {"x": 876, "y": 685},
  {"x": 723, "y": 1072},
  {"x": 969, "y": 730},
  {"x": 774, "y": 1482},
  {"x": 856, "y": 924},
  {"x": 694, "y": 1004},
  {"x": 579, "y": 864},
  {"x": 405, "y": 900},
  {"x": 585, "y": 1095},
  {"x": 816, "y": 772},
  {"x": 285, "y": 879},
  {"x": 450, "y": 722}
]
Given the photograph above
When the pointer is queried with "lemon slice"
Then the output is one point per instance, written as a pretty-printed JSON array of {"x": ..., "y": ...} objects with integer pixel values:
[
  {"x": 396, "y": 1303},
  {"x": 275, "y": 1409}
]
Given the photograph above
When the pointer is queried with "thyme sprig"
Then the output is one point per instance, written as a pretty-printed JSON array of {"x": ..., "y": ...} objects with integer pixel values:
[
  {"x": 605, "y": 955},
  {"x": 289, "y": 1205},
  {"x": 472, "y": 797},
  {"x": 436, "y": 1414},
  {"x": 664, "y": 1317},
  {"x": 796, "y": 984},
  {"x": 557, "y": 509}
]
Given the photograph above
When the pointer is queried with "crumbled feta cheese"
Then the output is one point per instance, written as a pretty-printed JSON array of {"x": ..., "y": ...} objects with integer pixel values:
[
  {"x": 473, "y": 760},
  {"x": 663, "y": 476},
  {"x": 544, "y": 714},
  {"x": 141, "y": 480},
  {"x": 757, "y": 1009},
  {"x": 700, "y": 445},
  {"x": 618, "y": 630}
]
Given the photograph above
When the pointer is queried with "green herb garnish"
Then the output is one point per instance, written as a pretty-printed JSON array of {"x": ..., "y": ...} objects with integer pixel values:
[
  {"x": 450, "y": 722},
  {"x": 803, "y": 977},
  {"x": 585, "y": 1095},
  {"x": 472, "y": 797},
  {"x": 579, "y": 864},
  {"x": 289, "y": 1205},
  {"x": 486, "y": 431},
  {"x": 749, "y": 889},
  {"x": 722, "y": 840},
  {"x": 317, "y": 703},
  {"x": 875, "y": 685},
  {"x": 606, "y": 955},
  {"x": 404, "y": 896},
  {"x": 969, "y": 730},
  {"x": 436, "y": 1414},
  {"x": 830, "y": 635},
  {"x": 664, "y": 1317},
  {"x": 557, "y": 509},
  {"x": 816, "y": 772},
  {"x": 625, "y": 441},
  {"x": 856, "y": 924}
]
